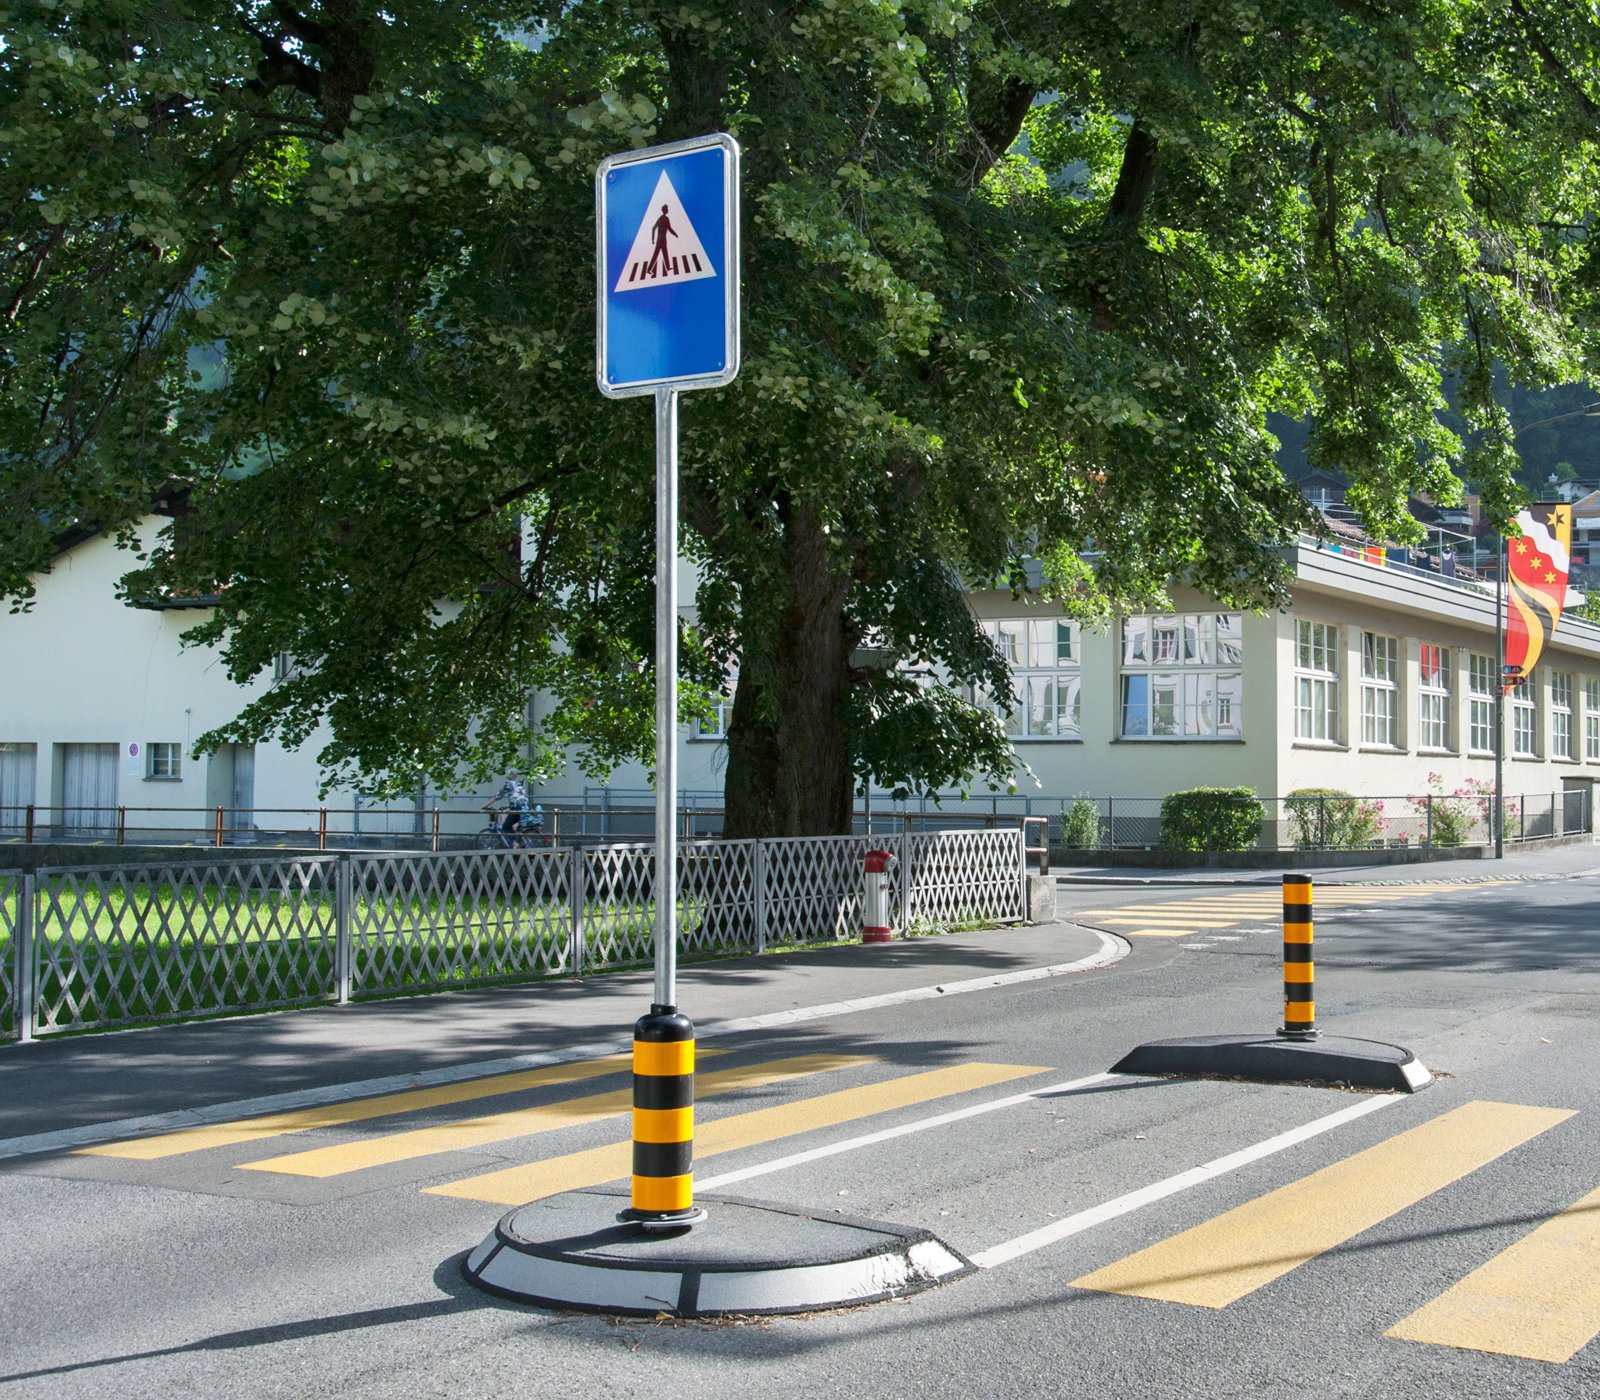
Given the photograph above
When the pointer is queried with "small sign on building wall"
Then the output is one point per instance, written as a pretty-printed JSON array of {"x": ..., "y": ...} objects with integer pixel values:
[{"x": 135, "y": 761}]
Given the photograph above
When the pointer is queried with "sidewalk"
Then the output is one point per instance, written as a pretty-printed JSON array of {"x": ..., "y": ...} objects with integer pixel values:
[{"x": 263, "y": 1063}]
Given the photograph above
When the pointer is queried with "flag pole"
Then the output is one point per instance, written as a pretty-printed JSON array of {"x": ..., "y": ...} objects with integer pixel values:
[{"x": 1498, "y": 817}]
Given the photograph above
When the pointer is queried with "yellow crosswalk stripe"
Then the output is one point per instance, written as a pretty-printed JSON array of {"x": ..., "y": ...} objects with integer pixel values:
[
  {"x": 1153, "y": 921},
  {"x": 1538, "y": 1299},
  {"x": 522, "y": 1122},
  {"x": 1236, "y": 1253},
  {"x": 333, "y": 1115},
  {"x": 1164, "y": 931},
  {"x": 515, "y": 1185}
]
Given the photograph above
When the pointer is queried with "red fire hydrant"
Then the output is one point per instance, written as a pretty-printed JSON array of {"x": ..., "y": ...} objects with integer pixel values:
[{"x": 876, "y": 922}]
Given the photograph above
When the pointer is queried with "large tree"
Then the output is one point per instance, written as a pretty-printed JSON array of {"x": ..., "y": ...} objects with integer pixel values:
[{"x": 1022, "y": 281}]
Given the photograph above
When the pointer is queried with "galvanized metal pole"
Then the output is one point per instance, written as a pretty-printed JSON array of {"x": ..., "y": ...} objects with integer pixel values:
[{"x": 666, "y": 930}]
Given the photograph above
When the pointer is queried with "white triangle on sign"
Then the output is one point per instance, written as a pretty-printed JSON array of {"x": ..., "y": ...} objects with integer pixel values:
[{"x": 666, "y": 249}]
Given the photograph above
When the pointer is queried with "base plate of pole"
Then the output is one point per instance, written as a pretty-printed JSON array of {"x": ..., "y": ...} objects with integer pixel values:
[
  {"x": 570, "y": 1251},
  {"x": 661, "y": 1223},
  {"x": 1334, "y": 1060}
]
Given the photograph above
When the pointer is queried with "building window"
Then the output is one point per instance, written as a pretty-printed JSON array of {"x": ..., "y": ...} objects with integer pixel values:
[
  {"x": 1525, "y": 719},
  {"x": 1433, "y": 698},
  {"x": 1046, "y": 675},
  {"x": 163, "y": 763},
  {"x": 1316, "y": 682},
  {"x": 721, "y": 715},
  {"x": 1561, "y": 715},
  {"x": 1380, "y": 689},
  {"x": 284, "y": 666},
  {"x": 1181, "y": 676},
  {"x": 1480, "y": 693},
  {"x": 1591, "y": 719}
]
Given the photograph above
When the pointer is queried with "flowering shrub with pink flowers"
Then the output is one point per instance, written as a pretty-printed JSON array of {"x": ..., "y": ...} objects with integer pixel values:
[{"x": 1455, "y": 818}]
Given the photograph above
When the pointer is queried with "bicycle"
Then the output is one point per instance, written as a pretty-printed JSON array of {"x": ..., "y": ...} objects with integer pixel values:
[{"x": 512, "y": 830}]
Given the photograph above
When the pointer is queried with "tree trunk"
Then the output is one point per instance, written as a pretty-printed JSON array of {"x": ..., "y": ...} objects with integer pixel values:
[{"x": 788, "y": 759}]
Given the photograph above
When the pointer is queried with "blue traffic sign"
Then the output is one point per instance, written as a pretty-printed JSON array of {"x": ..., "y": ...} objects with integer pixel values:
[{"x": 667, "y": 258}]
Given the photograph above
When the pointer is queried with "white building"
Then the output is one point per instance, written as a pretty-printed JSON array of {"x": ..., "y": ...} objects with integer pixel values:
[{"x": 1375, "y": 677}]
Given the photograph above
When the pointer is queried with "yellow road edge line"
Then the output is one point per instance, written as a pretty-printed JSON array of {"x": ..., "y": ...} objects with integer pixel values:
[
  {"x": 536, "y": 1180},
  {"x": 1539, "y": 1298},
  {"x": 524, "y": 1122},
  {"x": 1234, "y": 1254},
  {"x": 333, "y": 1115}
]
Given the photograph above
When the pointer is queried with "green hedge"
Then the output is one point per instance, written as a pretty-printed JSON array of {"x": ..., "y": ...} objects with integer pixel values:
[{"x": 1211, "y": 819}]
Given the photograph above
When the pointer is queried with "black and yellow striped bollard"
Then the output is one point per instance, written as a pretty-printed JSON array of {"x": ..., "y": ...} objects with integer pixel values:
[
  {"x": 1299, "y": 996},
  {"x": 663, "y": 1122}
]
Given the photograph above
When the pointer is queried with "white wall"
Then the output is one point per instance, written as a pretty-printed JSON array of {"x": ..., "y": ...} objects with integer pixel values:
[{"x": 82, "y": 667}]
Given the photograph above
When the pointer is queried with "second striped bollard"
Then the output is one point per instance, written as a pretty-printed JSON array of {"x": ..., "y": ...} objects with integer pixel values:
[{"x": 1299, "y": 994}]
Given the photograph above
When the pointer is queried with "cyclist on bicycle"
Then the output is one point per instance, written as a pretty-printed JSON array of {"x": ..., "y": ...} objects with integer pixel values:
[{"x": 509, "y": 807}]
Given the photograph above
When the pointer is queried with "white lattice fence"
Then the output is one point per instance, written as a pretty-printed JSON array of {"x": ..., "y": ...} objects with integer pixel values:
[
  {"x": 115, "y": 945},
  {"x": 719, "y": 904},
  {"x": 964, "y": 877},
  {"x": 429, "y": 921},
  {"x": 619, "y": 905},
  {"x": 813, "y": 887},
  {"x": 118, "y": 945}
]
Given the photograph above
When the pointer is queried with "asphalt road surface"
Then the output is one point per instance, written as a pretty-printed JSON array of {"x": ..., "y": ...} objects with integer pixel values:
[{"x": 1135, "y": 1237}]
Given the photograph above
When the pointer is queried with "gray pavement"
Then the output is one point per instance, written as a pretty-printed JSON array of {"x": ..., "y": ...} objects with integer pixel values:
[
  {"x": 282, "y": 1059},
  {"x": 89, "y": 1087}
]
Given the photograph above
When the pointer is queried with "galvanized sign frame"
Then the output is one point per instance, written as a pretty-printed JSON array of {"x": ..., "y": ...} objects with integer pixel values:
[{"x": 671, "y": 336}]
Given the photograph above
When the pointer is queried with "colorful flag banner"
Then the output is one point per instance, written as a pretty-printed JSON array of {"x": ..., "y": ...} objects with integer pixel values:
[{"x": 1537, "y": 558}]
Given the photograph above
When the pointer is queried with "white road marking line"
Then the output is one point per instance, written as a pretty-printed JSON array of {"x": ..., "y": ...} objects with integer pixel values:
[
  {"x": 1071, "y": 1225},
  {"x": 938, "y": 1120}
]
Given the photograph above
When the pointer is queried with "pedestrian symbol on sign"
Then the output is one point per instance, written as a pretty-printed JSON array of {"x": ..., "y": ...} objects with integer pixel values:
[{"x": 666, "y": 248}]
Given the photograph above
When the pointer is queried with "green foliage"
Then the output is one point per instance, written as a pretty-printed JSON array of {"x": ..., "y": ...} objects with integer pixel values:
[
  {"x": 1020, "y": 282},
  {"x": 1080, "y": 825},
  {"x": 1330, "y": 819},
  {"x": 1210, "y": 819}
]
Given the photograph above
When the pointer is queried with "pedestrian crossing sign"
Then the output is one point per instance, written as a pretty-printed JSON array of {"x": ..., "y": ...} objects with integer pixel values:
[{"x": 667, "y": 254}]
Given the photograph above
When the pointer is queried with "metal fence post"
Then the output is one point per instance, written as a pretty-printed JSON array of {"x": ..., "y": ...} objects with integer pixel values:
[
  {"x": 1022, "y": 867},
  {"x": 23, "y": 978},
  {"x": 906, "y": 846},
  {"x": 575, "y": 899},
  {"x": 26, "y": 992},
  {"x": 1429, "y": 837},
  {"x": 759, "y": 880},
  {"x": 343, "y": 961},
  {"x": 1111, "y": 823}
]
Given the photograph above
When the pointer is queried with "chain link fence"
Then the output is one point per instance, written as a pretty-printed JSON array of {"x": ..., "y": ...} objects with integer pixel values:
[{"x": 1321, "y": 821}]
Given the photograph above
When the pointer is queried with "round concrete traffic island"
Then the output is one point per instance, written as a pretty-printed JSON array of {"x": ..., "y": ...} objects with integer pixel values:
[{"x": 570, "y": 1251}]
